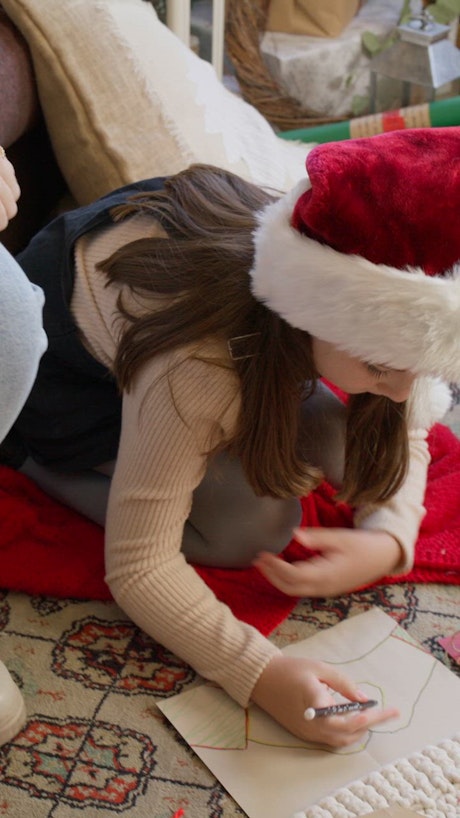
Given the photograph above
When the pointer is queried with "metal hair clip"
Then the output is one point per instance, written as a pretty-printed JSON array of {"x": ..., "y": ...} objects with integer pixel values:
[{"x": 240, "y": 346}]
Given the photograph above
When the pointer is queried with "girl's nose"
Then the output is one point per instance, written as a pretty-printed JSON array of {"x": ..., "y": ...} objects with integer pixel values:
[{"x": 398, "y": 386}]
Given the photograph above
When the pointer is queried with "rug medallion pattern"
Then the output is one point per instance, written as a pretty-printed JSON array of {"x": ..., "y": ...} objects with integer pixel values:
[{"x": 95, "y": 743}]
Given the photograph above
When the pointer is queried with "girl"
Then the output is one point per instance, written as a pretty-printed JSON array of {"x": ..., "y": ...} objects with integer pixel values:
[
  {"x": 188, "y": 327},
  {"x": 22, "y": 341}
]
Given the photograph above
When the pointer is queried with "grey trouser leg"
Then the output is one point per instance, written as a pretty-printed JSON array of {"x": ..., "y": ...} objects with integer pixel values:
[
  {"x": 322, "y": 436},
  {"x": 84, "y": 491},
  {"x": 228, "y": 524}
]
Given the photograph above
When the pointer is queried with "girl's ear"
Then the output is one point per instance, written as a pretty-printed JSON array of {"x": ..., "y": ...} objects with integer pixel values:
[{"x": 430, "y": 399}]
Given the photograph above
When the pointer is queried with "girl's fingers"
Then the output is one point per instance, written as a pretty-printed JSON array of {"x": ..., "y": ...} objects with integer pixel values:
[
  {"x": 381, "y": 716},
  {"x": 341, "y": 683},
  {"x": 283, "y": 575},
  {"x": 294, "y": 579},
  {"x": 348, "y": 728},
  {"x": 276, "y": 567},
  {"x": 318, "y": 539},
  {"x": 342, "y": 731},
  {"x": 357, "y": 722},
  {"x": 8, "y": 204},
  {"x": 303, "y": 536},
  {"x": 3, "y": 217},
  {"x": 8, "y": 174}
]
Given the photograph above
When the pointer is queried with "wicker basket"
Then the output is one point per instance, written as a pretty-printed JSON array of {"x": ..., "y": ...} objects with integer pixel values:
[{"x": 245, "y": 24}]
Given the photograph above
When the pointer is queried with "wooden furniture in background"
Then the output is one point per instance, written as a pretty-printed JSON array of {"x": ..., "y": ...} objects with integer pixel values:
[{"x": 178, "y": 20}]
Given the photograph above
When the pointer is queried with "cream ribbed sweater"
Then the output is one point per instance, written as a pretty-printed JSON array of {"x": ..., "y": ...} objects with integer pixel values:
[{"x": 168, "y": 425}]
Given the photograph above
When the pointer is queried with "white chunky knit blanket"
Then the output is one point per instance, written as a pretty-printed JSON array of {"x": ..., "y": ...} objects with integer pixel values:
[{"x": 427, "y": 782}]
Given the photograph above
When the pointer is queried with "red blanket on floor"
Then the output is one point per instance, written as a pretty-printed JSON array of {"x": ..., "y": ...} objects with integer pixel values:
[{"x": 48, "y": 549}]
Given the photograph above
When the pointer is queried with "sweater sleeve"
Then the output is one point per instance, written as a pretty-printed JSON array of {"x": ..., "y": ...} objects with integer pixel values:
[
  {"x": 402, "y": 515},
  {"x": 169, "y": 422}
]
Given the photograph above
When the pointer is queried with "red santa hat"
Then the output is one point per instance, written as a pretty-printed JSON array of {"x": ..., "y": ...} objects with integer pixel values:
[{"x": 365, "y": 252}]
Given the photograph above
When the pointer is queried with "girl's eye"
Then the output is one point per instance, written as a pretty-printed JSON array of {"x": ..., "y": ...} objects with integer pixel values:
[{"x": 375, "y": 371}]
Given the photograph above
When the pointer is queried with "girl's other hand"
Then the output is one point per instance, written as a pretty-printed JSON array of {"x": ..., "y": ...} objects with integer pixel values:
[
  {"x": 345, "y": 559},
  {"x": 9, "y": 190},
  {"x": 289, "y": 685}
]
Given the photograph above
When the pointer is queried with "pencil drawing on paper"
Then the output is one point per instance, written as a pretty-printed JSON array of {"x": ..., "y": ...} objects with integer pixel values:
[
  {"x": 224, "y": 725},
  {"x": 387, "y": 664}
]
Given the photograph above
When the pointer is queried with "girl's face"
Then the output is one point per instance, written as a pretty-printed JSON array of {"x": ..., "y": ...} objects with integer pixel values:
[{"x": 355, "y": 376}]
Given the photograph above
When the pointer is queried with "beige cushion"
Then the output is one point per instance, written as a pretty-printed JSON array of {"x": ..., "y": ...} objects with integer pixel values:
[{"x": 125, "y": 99}]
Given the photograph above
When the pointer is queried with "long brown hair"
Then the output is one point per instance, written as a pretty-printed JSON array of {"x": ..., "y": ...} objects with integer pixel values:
[{"x": 203, "y": 266}]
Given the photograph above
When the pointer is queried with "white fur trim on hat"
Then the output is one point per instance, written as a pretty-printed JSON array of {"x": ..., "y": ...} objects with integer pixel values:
[
  {"x": 402, "y": 319},
  {"x": 429, "y": 401}
]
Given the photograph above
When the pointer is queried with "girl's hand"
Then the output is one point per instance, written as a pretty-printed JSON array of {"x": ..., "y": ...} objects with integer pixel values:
[
  {"x": 9, "y": 191},
  {"x": 289, "y": 685},
  {"x": 347, "y": 559}
]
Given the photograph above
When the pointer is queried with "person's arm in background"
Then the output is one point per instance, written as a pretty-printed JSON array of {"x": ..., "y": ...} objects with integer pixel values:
[
  {"x": 22, "y": 343},
  {"x": 22, "y": 338},
  {"x": 9, "y": 190}
]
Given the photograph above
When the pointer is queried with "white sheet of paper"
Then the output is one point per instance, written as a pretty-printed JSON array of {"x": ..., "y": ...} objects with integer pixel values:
[{"x": 269, "y": 772}]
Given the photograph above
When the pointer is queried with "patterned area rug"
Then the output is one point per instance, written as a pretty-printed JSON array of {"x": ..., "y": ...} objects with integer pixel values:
[{"x": 95, "y": 743}]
